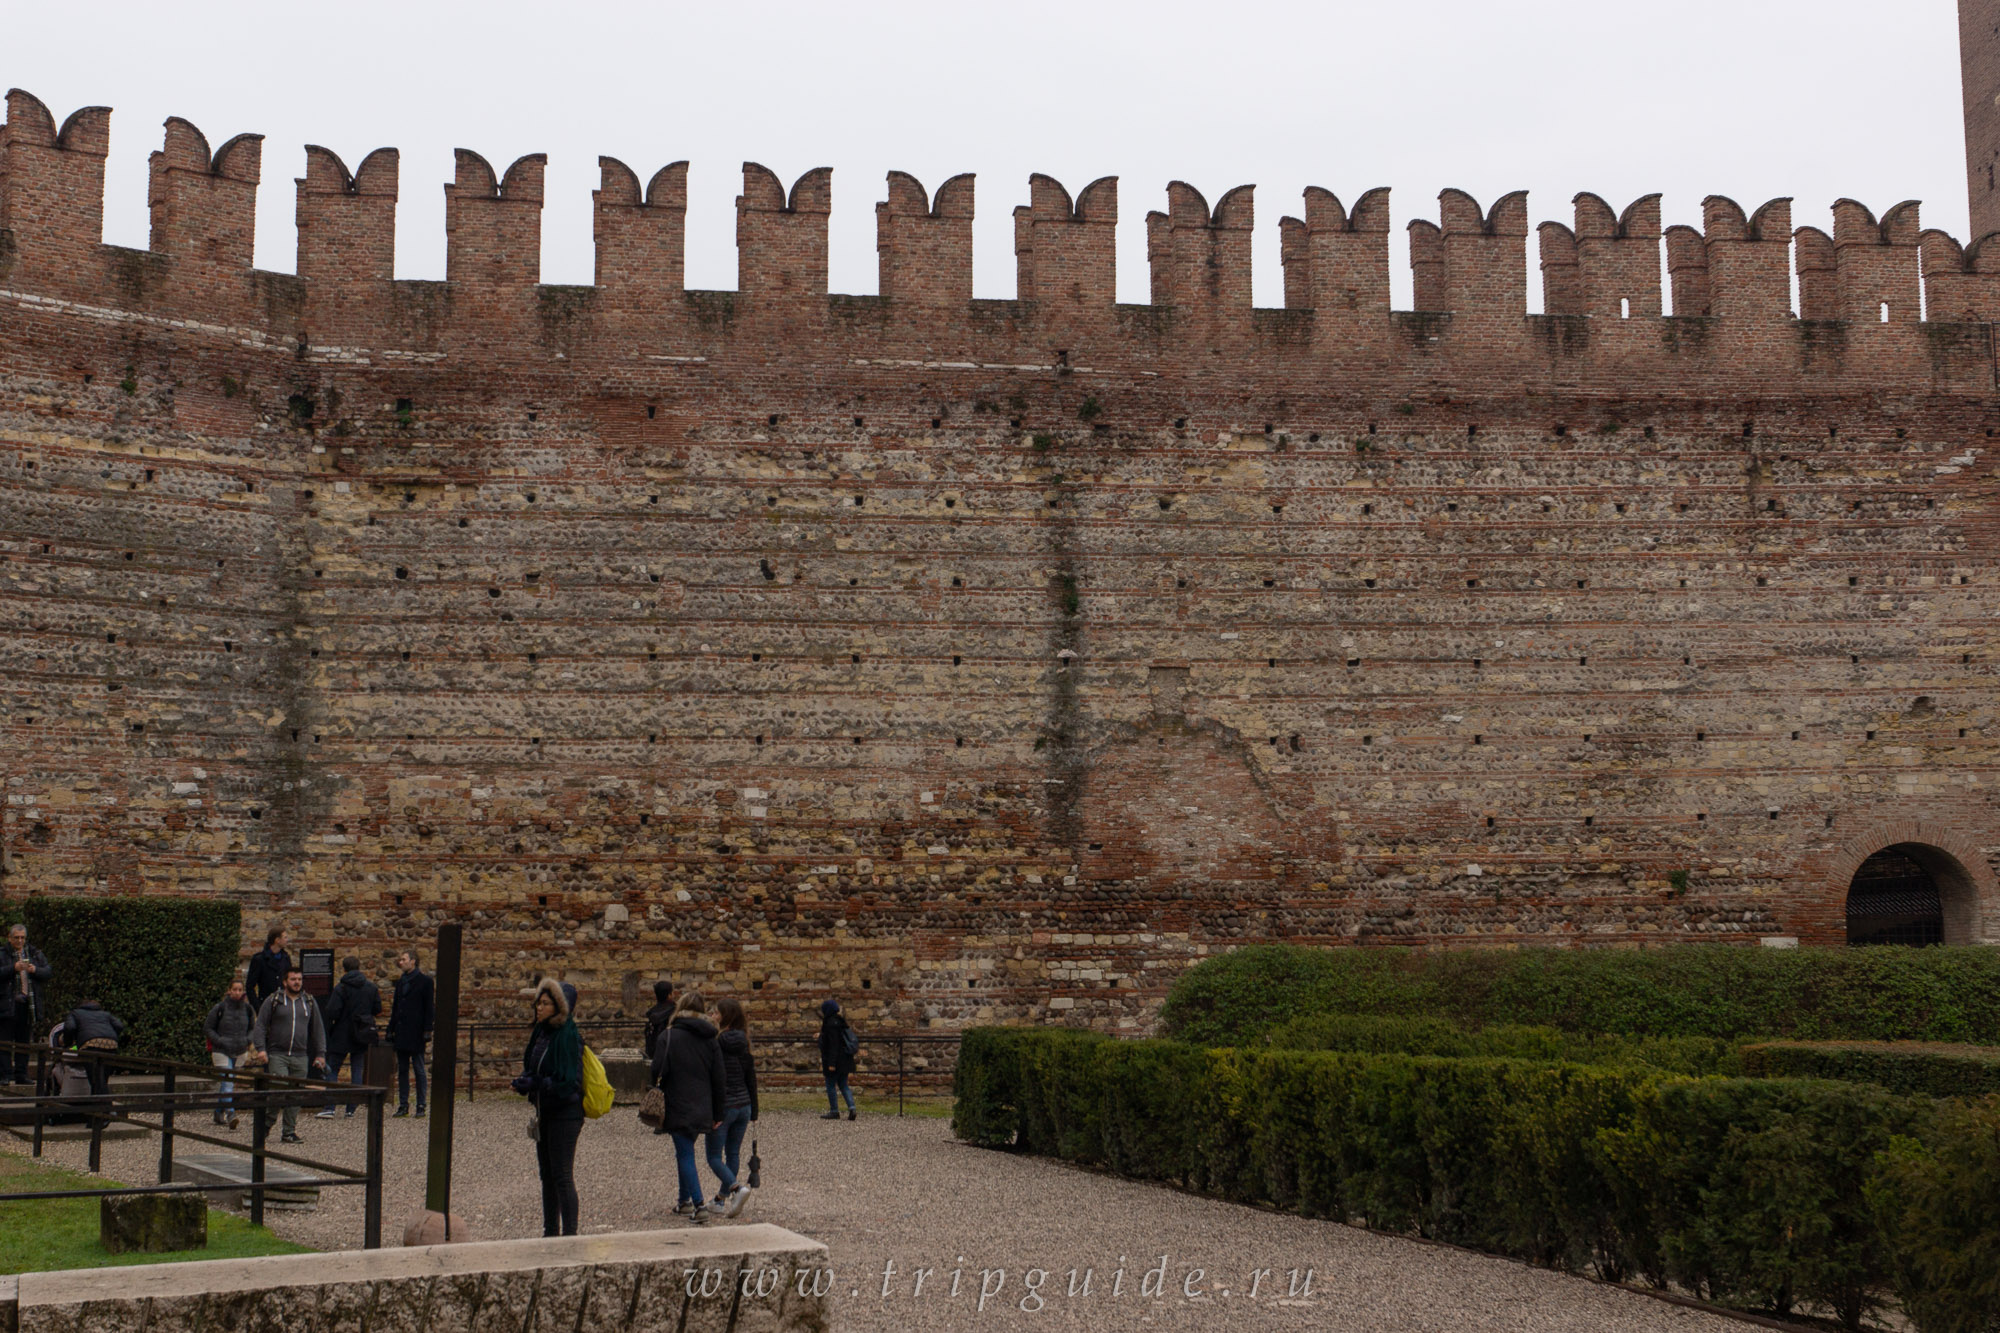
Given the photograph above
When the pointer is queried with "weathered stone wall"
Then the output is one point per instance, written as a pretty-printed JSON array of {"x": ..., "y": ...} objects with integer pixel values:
[
  {"x": 739, "y": 1279},
  {"x": 975, "y": 658}
]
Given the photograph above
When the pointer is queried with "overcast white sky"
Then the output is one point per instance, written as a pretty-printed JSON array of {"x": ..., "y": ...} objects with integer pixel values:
[{"x": 1811, "y": 98}]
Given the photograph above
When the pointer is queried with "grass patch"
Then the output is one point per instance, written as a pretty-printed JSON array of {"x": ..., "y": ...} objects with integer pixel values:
[{"x": 39, "y": 1235}]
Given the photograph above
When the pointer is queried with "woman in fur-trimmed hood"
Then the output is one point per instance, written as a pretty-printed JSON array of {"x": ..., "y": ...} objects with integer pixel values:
[{"x": 551, "y": 1078}]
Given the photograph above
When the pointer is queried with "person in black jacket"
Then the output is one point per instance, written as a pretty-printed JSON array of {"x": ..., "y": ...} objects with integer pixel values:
[
  {"x": 350, "y": 1014},
  {"x": 412, "y": 1015},
  {"x": 687, "y": 1067},
  {"x": 265, "y": 976},
  {"x": 90, "y": 1027},
  {"x": 836, "y": 1057},
  {"x": 24, "y": 971},
  {"x": 661, "y": 1014},
  {"x": 551, "y": 1078},
  {"x": 739, "y": 1100}
]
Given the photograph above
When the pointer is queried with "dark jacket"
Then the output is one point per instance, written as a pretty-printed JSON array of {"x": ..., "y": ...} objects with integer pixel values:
[
  {"x": 657, "y": 1019},
  {"x": 833, "y": 1056},
  {"x": 265, "y": 976},
  {"x": 289, "y": 1026},
  {"x": 739, "y": 1070},
  {"x": 90, "y": 1021},
  {"x": 412, "y": 1011},
  {"x": 350, "y": 1013},
  {"x": 10, "y": 980},
  {"x": 553, "y": 1063},
  {"x": 688, "y": 1068},
  {"x": 228, "y": 1026}
]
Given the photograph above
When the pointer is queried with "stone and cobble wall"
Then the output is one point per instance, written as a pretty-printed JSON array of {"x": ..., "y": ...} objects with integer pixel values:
[{"x": 976, "y": 658}]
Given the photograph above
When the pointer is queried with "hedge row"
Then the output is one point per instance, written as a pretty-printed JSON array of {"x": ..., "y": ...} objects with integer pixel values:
[
  {"x": 1905, "y": 1067},
  {"x": 1438, "y": 1037},
  {"x": 1721, "y": 992},
  {"x": 157, "y": 963},
  {"x": 1761, "y": 1194}
]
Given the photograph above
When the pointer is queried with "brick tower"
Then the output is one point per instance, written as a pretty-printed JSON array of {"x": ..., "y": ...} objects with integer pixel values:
[{"x": 1979, "y": 63}]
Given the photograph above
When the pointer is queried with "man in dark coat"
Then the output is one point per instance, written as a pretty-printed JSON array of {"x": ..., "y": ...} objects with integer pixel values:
[
  {"x": 350, "y": 1014},
  {"x": 265, "y": 976},
  {"x": 837, "y": 1048},
  {"x": 412, "y": 1015},
  {"x": 24, "y": 971},
  {"x": 90, "y": 1027}
]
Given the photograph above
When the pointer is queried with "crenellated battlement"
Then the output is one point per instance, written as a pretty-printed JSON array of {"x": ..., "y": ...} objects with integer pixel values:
[{"x": 1729, "y": 285}]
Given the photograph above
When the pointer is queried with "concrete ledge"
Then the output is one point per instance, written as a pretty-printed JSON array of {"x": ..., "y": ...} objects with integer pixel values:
[{"x": 747, "y": 1279}]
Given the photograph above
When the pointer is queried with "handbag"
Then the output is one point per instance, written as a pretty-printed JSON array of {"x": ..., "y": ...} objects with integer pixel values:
[{"x": 653, "y": 1108}]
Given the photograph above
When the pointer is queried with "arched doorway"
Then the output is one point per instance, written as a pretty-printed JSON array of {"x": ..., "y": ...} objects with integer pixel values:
[{"x": 1911, "y": 893}]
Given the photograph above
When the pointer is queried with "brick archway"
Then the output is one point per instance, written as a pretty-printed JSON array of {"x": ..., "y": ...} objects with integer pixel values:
[{"x": 1970, "y": 894}]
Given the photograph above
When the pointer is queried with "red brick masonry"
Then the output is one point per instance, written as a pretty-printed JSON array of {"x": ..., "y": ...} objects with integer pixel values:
[{"x": 975, "y": 657}]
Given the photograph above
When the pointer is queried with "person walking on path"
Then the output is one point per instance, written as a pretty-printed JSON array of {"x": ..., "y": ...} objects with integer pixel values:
[
  {"x": 551, "y": 1078},
  {"x": 657, "y": 1019},
  {"x": 687, "y": 1067},
  {"x": 292, "y": 1037},
  {"x": 837, "y": 1048},
  {"x": 265, "y": 976},
  {"x": 412, "y": 1015},
  {"x": 739, "y": 1101},
  {"x": 227, "y": 1029},
  {"x": 91, "y": 1027},
  {"x": 350, "y": 1016},
  {"x": 24, "y": 971}
]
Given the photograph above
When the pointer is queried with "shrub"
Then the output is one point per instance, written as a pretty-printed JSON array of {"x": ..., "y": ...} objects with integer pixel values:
[
  {"x": 1769, "y": 1194},
  {"x": 1753, "y": 1192},
  {"x": 1905, "y": 1067},
  {"x": 157, "y": 963},
  {"x": 1436, "y": 1036},
  {"x": 1719, "y": 992},
  {"x": 1935, "y": 1200}
]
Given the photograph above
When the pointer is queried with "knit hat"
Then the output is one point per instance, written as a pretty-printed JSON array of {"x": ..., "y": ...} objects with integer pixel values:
[
  {"x": 569, "y": 994},
  {"x": 828, "y": 1008}
]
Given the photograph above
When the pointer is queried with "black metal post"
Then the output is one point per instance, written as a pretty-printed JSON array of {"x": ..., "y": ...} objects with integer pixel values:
[
  {"x": 41, "y": 1084},
  {"x": 371, "y": 1225},
  {"x": 899, "y": 1077},
  {"x": 471, "y": 1061},
  {"x": 167, "y": 1132},
  {"x": 260, "y": 1133},
  {"x": 444, "y": 1073}
]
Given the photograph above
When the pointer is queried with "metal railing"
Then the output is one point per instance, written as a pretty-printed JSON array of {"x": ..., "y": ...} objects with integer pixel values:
[
  {"x": 928, "y": 1074},
  {"x": 267, "y": 1093}
]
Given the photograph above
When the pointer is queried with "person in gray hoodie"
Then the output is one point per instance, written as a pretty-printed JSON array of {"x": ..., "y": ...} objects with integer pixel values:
[
  {"x": 292, "y": 1037},
  {"x": 228, "y": 1031}
]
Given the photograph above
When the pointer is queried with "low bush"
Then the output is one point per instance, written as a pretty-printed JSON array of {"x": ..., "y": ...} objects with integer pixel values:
[
  {"x": 1761, "y": 1193},
  {"x": 1719, "y": 992},
  {"x": 1436, "y": 1036},
  {"x": 1935, "y": 1202},
  {"x": 157, "y": 963},
  {"x": 1905, "y": 1067}
]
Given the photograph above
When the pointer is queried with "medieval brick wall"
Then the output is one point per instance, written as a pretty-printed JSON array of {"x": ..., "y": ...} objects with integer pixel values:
[{"x": 977, "y": 658}]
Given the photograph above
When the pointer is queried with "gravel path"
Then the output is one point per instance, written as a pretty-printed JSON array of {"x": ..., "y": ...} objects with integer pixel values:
[{"x": 883, "y": 1190}]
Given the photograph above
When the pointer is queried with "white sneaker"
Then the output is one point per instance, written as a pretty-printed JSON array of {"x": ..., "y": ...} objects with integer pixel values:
[
  {"x": 700, "y": 1215},
  {"x": 737, "y": 1201},
  {"x": 327, "y": 1114}
]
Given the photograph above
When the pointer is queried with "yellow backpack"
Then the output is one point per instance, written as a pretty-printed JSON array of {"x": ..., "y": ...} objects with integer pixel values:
[{"x": 596, "y": 1087}]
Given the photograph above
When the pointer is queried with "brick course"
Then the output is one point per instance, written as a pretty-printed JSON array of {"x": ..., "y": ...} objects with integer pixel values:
[{"x": 999, "y": 657}]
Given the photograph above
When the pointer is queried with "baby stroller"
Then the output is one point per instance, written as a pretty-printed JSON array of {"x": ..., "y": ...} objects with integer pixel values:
[{"x": 66, "y": 1078}]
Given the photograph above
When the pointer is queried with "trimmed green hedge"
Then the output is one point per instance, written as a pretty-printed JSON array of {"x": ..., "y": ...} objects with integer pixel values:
[
  {"x": 1937, "y": 1200},
  {"x": 1905, "y": 1067},
  {"x": 1436, "y": 1036},
  {"x": 1719, "y": 992},
  {"x": 157, "y": 963},
  {"x": 1752, "y": 1192}
]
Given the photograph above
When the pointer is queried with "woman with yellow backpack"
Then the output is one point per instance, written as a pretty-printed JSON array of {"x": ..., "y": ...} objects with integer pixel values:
[{"x": 555, "y": 1079}]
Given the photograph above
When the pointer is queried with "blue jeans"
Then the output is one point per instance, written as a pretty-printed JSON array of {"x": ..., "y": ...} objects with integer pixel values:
[
  {"x": 225, "y": 1086},
  {"x": 833, "y": 1081},
  {"x": 354, "y": 1060},
  {"x": 725, "y": 1146},
  {"x": 684, "y": 1163},
  {"x": 406, "y": 1061}
]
